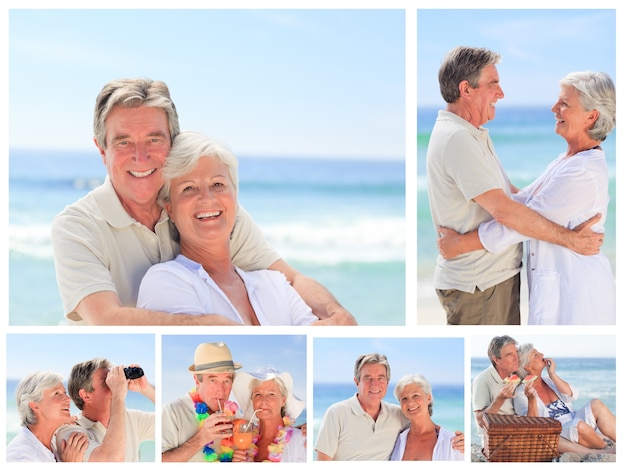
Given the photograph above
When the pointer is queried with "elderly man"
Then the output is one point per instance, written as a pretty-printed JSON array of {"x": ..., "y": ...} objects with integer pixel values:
[
  {"x": 363, "y": 427},
  {"x": 490, "y": 394},
  {"x": 104, "y": 243},
  {"x": 115, "y": 432},
  {"x": 467, "y": 185},
  {"x": 196, "y": 427}
]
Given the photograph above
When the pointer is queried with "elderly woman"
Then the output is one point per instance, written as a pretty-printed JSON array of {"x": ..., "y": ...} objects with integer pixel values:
[
  {"x": 423, "y": 439},
  {"x": 43, "y": 406},
  {"x": 564, "y": 287},
  {"x": 200, "y": 196},
  {"x": 268, "y": 396},
  {"x": 555, "y": 398}
]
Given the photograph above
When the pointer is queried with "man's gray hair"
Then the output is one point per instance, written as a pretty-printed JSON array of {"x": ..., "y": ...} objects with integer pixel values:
[
  {"x": 81, "y": 378},
  {"x": 496, "y": 345},
  {"x": 373, "y": 358},
  {"x": 463, "y": 63},
  {"x": 133, "y": 93}
]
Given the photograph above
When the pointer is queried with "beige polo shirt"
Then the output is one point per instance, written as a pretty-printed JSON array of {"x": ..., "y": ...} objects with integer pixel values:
[
  {"x": 139, "y": 428},
  {"x": 349, "y": 433},
  {"x": 462, "y": 164}
]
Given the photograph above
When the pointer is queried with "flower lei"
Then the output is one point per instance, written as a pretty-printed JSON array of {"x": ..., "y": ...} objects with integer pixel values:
[
  {"x": 226, "y": 450},
  {"x": 277, "y": 447}
]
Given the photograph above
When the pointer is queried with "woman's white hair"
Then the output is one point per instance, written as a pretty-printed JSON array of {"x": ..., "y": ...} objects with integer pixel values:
[
  {"x": 523, "y": 353},
  {"x": 595, "y": 91},
  {"x": 188, "y": 148},
  {"x": 31, "y": 389},
  {"x": 418, "y": 380}
]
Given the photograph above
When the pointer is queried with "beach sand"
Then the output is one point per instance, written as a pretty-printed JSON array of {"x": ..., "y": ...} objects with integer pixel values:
[{"x": 430, "y": 312}]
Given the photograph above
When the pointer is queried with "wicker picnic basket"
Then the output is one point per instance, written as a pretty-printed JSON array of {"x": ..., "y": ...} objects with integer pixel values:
[{"x": 510, "y": 438}]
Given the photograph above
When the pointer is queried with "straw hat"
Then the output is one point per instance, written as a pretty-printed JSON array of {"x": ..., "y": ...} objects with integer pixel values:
[
  {"x": 242, "y": 391},
  {"x": 213, "y": 357}
]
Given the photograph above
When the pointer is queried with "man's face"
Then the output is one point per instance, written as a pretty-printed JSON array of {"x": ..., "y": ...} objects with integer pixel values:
[
  {"x": 483, "y": 98},
  {"x": 100, "y": 397},
  {"x": 372, "y": 385},
  {"x": 508, "y": 361},
  {"x": 215, "y": 389},
  {"x": 137, "y": 143}
]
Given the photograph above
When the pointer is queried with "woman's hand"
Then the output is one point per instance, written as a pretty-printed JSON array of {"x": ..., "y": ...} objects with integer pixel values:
[
  {"x": 550, "y": 365},
  {"x": 73, "y": 449},
  {"x": 529, "y": 390},
  {"x": 458, "y": 442},
  {"x": 241, "y": 455}
]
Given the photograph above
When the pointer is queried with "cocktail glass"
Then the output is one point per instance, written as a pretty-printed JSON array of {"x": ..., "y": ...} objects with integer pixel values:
[{"x": 242, "y": 433}]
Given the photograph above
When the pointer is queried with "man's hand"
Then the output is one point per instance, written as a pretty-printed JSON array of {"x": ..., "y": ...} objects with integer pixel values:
[
  {"x": 508, "y": 390},
  {"x": 215, "y": 427},
  {"x": 584, "y": 240},
  {"x": 117, "y": 382},
  {"x": 458, "y": 442},
  {"x": 323, "y": 304},
  {"x": 339, "y": 317},
  {"x": 73, "y": 449},
  {"x": 142, "y": 385}
]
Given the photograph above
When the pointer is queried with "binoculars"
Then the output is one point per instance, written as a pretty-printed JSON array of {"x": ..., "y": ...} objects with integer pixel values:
[{"x": 133, "y": 372}]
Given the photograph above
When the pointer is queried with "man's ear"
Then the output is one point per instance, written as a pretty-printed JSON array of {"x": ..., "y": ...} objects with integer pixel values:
[
  {"x": 101, "y": 151},
  {"x": 84, "y": 394},
  {"x": 464, "y": 88}
]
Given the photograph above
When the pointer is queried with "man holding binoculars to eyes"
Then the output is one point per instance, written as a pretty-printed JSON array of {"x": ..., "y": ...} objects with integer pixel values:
[{"x": 99, "y": 390}]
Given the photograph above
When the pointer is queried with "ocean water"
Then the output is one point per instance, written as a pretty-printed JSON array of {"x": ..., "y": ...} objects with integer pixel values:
[
  {"x": 133, "y": 401},
  {"x": 525, "y": 141},
  {"x": 448, "y": 403},
  {"x": 593, "y": 377},
  {"x": 341, "y": 222}
]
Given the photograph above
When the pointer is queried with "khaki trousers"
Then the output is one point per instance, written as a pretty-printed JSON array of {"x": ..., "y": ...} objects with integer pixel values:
[{"x": 497, "y": 305}]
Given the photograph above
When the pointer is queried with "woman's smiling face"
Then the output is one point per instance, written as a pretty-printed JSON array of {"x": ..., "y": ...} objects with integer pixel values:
[
  {"x": 572, "y": 120},
  {"x": 203, "y": 203},
  {"x": 414, "y": 401}
]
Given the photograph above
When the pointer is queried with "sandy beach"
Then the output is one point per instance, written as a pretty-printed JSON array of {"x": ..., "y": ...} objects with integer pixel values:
[{"x": 430, "y": 312}]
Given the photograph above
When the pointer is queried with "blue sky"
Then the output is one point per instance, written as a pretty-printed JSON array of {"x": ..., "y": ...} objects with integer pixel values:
[
  {"x": 560, "y": 345},
  {"x": 440, "y": 360},
  {"x": 286, "y": 353},
  {"x": 28, "y": 353},
  {"x": 538, "y": 47},
  {"x": 267, "y": 82}
]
